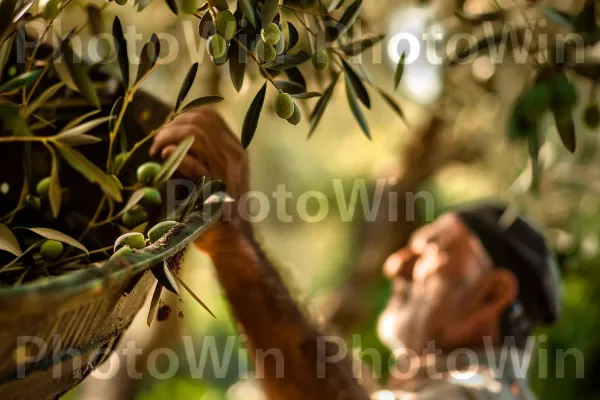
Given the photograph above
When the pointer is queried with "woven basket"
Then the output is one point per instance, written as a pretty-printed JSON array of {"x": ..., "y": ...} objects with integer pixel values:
[{"x": 79, "y": 317}]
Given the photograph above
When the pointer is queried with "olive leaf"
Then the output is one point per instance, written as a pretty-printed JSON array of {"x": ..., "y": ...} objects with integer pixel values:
[
  {"x": 79, "y": 74},
  {"x": 335, "y": 5},
  {"x": 360, "y": 45},
  {"x": 76, "y": 136},
  {"x": 356, "y": 82},
  {"x": 392, "y": 103},
  {"x": 80, "y": 119},
  {"x": 140, "y": 228},
  {"x": 21, "y": 80},
  {"x": 52, "y": 234},
  {"x": 480, "y": 18},
  {"x": 13, "y": 122},
  {"x": 7, "y": 8},
  {"x": 586, "y": 19},
  {"x": 206, "y": 28},
  {"x": 533, "y": 145},
  {"x": 173, "y": 6},
  {"x": 237, "y": 65},
  {"x": 114, "y": 113},
  {"x": 186, "y": 85},
  {"x": 306, "y": 95},
  {"x": 148, "y": 57},
  {"x": 566, "y": 128},
  {"x": 90, "y": 171},
  {"x": 248, "y": 8},
  {"x": 164, "y": 276},
  {"x": 354, "y": 106},
  {"x": 8, "y": 241},
  {"x": 142, "y": 4},
  {"x": 154, "y": 303},
  {"x": 172, "y": 163},
  {"x": 202, "y": 101},
  {"x": 317, "y": 113},
  {"x": 121, "y": 49},
  {"x": 134, "y": 199},
  {"x": 484, "y": 43},
  {"x": 347, "y": 19},
  {"x": 296, "y": 76},
  {"x": 21, "y": 11},
  {"x": 252, "y": 117},
  {"x": 95, "y": 17},
  {"x": 54, "y": 191},
  {"x": 291, "y": 87},
  {"x": 558, "y": 16},
  {"x": 286, "y": 61},
  {"x": 399, "y": 71},
  {"x": 268, "y": 11},
  {"x": 293, "y": 36},
  {"x": 220, "y": 4},
  {"x": 42, "y": 99}
]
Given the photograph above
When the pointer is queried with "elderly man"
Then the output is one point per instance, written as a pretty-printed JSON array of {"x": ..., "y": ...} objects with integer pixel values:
[{"x": 465, "y": 287}]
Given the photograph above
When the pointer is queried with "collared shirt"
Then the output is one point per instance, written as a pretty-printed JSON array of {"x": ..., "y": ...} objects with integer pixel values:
[{"x": 495, "y": 375}]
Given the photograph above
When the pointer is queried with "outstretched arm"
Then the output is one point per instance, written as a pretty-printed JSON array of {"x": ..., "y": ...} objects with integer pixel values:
[{"x": 293, "y": 360}]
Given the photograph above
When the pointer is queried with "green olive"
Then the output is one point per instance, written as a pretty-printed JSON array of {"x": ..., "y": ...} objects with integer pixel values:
[
  {"x": 271, "y": 35},
  {"x": 43, "y": 187},
  {"x": 320, "y": 59},
  {"x": 265, "y": 52},
  {"x": 159, "y": 230},
  {"x": 225, "y": 24},
  {"x": 284, "y": 105},
  {"x": 147, "y": 171},
  {"x": 151, "y": 197},
  {"x": 134, "y": 240},
  {"x": 51, "y": 9},
  {"x": 122, "y": 252},
  {"x": 119, "y": 161},
  {"x": 280, "y": 46},
  {"x": 216, "y": 45},
  {"x": 296, "y": 116},
  {"x": 134, "y": 217},
  {"x": 32, "y": 202},
  {"x": 51, "y": 250}
]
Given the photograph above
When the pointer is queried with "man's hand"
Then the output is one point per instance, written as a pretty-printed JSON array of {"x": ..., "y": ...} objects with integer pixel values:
[{"x": 216, "y": 153}]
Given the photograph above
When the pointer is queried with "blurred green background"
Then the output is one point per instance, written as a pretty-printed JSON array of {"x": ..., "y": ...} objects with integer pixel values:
[{"x": 474, "y": 101}]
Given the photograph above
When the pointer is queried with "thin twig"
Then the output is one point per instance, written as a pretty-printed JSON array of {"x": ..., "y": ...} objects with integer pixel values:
[
  {"x": 182, "y": 283},
  {"x": 263, "y": 69},
  {"x": 80, "y": 256}
]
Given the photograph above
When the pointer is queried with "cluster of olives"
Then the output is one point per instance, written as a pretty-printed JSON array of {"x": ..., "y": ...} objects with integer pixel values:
[
  {"x": 126, "y": 243},
  {"x": 137, "y": 215},
  {"x": 225, "y": 26},
  {"x": 34, "y": 201}
]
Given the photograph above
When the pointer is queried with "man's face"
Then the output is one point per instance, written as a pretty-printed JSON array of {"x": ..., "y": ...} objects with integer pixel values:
[{"x": 433, "y": 278}]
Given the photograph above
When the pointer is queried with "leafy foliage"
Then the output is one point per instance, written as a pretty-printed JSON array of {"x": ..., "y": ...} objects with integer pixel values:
[{"x": 125, "y": 206}]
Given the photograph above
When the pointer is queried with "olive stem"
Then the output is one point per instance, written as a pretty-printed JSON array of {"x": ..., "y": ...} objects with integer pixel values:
[
  {"x": 94, "y": 218},
  {"x": 305, "y": 25},
  {"x": 263, "y": 69},
  {"x": 308, "y": 12},
  {"x": 79, "y": 256}
]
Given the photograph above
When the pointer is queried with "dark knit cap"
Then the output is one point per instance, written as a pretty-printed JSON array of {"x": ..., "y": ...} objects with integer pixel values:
[{"x": 515, "y": 244}]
